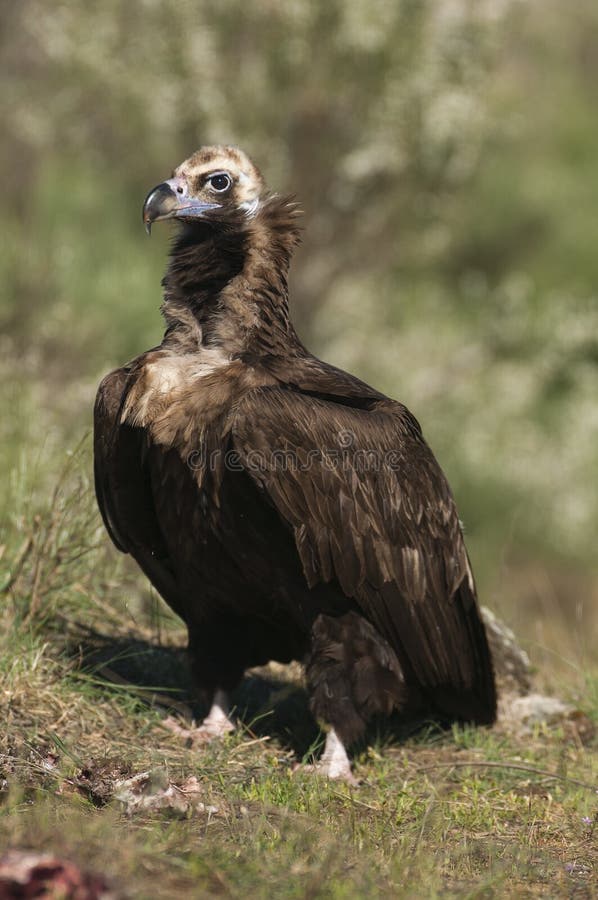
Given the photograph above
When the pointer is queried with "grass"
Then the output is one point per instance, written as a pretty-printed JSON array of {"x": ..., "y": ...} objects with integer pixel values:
[
  {"x": 91, "y": 662},
  {"x": 431, "y": 818}
]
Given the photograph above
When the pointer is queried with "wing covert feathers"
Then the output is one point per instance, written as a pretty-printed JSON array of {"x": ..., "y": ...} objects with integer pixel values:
[{"x": 371, "y": 509}]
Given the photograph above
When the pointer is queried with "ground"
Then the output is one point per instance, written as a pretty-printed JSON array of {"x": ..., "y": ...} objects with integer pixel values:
[
  {"x": 92, "y": 663},
  {"x": 470, "y": 812}
]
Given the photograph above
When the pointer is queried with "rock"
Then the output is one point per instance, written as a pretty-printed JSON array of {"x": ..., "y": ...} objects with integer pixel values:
[
  {"x": 519, "y": 708},
  {"x": 537, "y": 709},
  {"x": 522, "y": 714},
  {"x": 511, "y": 663}
]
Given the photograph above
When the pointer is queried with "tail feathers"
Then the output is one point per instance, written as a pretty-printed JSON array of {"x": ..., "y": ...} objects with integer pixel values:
[{"x": 476, "y": 701}]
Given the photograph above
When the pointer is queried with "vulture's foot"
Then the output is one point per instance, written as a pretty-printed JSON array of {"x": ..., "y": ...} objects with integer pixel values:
[
  {"x": 216, "y": 724},
  {"x": 334, "y": 762},
  {"x": 200, "y": 734}
]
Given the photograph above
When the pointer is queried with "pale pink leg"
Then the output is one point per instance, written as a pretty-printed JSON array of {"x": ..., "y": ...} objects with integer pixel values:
[
  {"x": 216, "y": 724},
  {"x": 334, "y": 762}
]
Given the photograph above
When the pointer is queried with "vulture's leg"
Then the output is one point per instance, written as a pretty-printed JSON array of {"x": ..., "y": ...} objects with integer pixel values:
[
  {"x": 352, "y": 674},
  {"x": 217, "y": 663},
  {"x": 216, "y": 724},
  {"x": 334, "y": 762}
]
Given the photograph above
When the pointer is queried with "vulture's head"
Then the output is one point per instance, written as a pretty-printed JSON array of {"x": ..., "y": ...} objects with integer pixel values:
[{"x": 212, "y": 185}]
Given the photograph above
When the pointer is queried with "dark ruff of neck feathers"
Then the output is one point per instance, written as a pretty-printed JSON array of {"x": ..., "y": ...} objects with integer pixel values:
[{"x": 226, "y": 286}]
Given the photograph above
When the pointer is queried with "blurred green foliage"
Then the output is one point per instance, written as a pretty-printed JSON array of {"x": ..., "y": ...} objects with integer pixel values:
[{"x": 445, "y": 155}]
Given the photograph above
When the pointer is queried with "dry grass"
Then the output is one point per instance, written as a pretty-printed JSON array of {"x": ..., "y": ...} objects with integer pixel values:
[
  {"x": 464, "y": 814},
  {"x": 431, "y": 817}
]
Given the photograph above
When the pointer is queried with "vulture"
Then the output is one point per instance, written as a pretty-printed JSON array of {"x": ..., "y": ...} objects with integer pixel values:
[{"x": 284, "y": 509}]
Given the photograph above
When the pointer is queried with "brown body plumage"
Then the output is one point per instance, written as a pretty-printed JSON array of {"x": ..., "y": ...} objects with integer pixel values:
[{"x": 283, "y": 508}]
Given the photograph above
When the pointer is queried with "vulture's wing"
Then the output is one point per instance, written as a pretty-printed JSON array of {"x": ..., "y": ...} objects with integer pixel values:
[
  {"x": 123, "y": 483},
  {"x": 106, "y": 441},
  {"x": 371, "y": 509}
]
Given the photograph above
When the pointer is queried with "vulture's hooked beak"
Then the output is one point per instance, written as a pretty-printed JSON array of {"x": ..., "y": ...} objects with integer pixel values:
[{"x": 171, "y": 200}]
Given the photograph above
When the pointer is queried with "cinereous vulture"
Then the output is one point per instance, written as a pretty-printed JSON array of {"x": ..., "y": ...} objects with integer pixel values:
[{"x": 283, "y": 508}]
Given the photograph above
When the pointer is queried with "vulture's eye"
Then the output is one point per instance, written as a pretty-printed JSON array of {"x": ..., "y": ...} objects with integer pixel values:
[{"x": 220, "y": 182}]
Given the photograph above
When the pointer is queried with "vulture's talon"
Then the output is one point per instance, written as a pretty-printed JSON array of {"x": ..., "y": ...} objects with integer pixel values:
[
  {"x": 334, "y": 762},
  {"x": 200, "y": 734},
  {"x": 323, "y": 769},
  {"x": 217, "y": 724}
]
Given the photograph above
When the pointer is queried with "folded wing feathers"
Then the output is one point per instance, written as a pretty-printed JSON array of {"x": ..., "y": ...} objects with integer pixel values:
[{"x": 390, "y": 536}]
